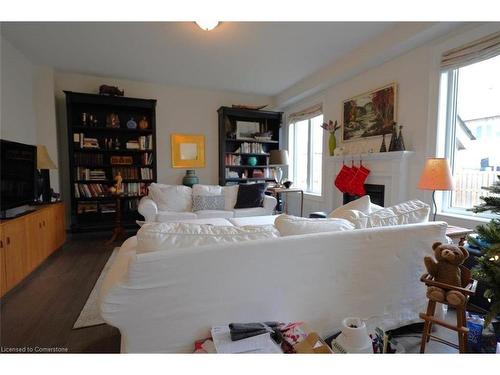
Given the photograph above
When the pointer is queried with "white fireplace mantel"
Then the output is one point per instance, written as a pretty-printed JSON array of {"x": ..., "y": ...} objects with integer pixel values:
[{"x": 386, "y": 168}]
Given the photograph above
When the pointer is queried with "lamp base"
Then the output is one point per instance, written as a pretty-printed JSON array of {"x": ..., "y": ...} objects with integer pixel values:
[{"x": 45, "y": 185}]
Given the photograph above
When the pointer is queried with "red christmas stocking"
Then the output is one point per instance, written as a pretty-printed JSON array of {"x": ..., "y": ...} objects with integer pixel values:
[
  {"x": 357, "y": 185},
  {"x": 343, "y": 178}
]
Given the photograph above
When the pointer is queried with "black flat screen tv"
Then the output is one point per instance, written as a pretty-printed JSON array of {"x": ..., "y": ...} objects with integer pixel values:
[{"x": 17, "y": 175}]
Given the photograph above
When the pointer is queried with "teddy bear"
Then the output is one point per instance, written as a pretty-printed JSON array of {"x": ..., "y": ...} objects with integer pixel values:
[{"x": 446, "y": 269}]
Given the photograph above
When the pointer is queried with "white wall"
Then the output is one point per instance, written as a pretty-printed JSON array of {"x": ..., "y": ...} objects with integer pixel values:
[
  {"x": 18, "y": 113},
  {"x": 179, "y": 110},
  {"x": 27, "y": 103}
]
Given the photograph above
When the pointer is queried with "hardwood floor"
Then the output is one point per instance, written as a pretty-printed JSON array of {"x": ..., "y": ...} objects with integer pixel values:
[{"x": 40, "y": 312}]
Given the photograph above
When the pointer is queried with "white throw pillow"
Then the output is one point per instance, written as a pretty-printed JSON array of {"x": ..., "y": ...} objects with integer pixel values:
[
  {"x": 165, "y": 236},
  {"x": 410, "y": 212},
  {"x": 362, "y": 204},
  {"x": 207, "y": 190},
  {"x": 171, "y": 197},
  {"x": 292, "y": 225},
  {"x": 230, "y": 196}
]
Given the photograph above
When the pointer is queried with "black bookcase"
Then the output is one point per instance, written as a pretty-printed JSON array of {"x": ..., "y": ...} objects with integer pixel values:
[
  {"x": 97, "y": 152},
  {"x": 235, "y": 151}
]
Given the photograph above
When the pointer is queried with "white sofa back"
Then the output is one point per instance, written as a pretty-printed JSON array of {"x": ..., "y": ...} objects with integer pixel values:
[{"x": 163, "y": 301}]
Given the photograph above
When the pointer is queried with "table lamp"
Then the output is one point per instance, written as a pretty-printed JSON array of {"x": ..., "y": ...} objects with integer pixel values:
[
  {"x": 44, "y": 163},
  {"x": 278, "y": 158},
  {"x": 436, "y": 175}
]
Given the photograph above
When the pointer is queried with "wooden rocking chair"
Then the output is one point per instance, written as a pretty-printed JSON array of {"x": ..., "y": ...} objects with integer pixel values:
[{"x": 468, "y": 289}]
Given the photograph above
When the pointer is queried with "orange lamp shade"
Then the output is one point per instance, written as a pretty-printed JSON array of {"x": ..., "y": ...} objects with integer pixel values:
[{"x": 436, "y": 175}]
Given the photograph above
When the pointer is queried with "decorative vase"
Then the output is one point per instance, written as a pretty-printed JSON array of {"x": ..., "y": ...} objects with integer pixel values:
[
  {"x": 252, "y": 161},
  {"x": 131, "y": 124},
  {"x": 393, "y": 146},
  {"x": 383, "y": 147},
  {"x": 190, "y": 178},
  {"x": 401, "y": 142},
  {"x": 332, "y": 143},
  {"x": 143, "y": 124}
]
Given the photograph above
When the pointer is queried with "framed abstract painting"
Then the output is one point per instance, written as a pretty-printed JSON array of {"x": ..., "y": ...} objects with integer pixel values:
[
  {"x": 188, "y": 151},
  {"x": 370, "y": 114}
]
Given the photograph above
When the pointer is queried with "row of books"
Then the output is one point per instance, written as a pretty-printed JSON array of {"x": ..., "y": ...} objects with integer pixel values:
[
  {"x": 253, "y": 173},
  {"x": 90, "y": 190},
  {"x": 146, "y": 142},
  {"x": 85, "y": 142},
  {"x": 95, "y": 207},
  {"x": 236, "y": 160},
  {"x": 147, "y": 158},
  {"x": 89, "y": 159},
  {"x": 133, "y": 173},
  {"x": 135, "y": 188},
  {"x": 90, "y": 174},
  {"x": 251, "y": 148}
]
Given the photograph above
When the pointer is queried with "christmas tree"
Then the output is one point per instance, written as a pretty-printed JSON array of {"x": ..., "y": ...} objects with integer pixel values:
[{"x": 487, "y": 270}]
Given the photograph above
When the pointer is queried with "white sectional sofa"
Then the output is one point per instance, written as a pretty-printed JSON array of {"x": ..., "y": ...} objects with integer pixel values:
[
  {"x": 164, "y": 300},
  {"x": 166, "y": 203}
]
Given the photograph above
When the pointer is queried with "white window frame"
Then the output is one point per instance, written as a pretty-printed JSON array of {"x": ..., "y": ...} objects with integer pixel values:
[
  {"x": 293, "y": 171},
  {"x": 449, "y": 90}
]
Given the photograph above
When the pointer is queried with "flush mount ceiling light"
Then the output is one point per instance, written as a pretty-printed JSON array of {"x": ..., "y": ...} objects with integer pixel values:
[{"x": 207, "y": 25}]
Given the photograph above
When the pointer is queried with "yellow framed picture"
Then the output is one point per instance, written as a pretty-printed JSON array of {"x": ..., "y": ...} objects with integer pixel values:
[{"x": 188, "y": 151}]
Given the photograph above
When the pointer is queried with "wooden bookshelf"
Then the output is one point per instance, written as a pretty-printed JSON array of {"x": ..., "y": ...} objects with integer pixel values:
[
  {"x": 234, "y": 153},
  {"x": 93, "y": 144}
]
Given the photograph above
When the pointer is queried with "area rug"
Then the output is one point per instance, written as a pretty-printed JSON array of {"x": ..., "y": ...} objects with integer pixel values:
[{"x": 89, "y": 316}]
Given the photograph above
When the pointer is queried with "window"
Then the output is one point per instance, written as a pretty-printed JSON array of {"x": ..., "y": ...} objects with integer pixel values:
[
  {"x": 305, "y": 146},
  {"x": 471, "y": 102}
]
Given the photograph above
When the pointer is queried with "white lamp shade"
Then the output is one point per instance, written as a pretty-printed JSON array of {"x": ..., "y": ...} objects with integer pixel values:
[{"x": 43, "y": 160}]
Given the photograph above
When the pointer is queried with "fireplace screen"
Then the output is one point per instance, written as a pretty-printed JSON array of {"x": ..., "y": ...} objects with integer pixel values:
[{"x": 376, "y": 193}]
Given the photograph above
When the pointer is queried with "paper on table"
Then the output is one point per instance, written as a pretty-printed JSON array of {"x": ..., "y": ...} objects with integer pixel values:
[{"x": 257, "y": 344}]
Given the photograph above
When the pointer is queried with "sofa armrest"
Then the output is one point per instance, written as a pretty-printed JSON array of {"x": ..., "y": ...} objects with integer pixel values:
[
  {"x": 148, "y": 209},
  {"x": 269, "y": 203}
]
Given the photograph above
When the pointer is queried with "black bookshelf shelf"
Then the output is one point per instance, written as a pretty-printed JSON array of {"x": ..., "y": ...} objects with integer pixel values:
[
  {"x": 234, "y": 153},
  {"x": 87, "y": 205}
]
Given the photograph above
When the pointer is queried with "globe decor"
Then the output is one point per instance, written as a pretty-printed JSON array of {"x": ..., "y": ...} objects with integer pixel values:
[{"x": 331, "y": 128}]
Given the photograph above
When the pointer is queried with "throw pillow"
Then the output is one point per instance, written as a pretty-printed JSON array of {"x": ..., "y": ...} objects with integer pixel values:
[
  {"x": 207, "y": 190},
  {"x": 410, "y": 212},
  {"x": 362, "y": 204},
  {"x": 214, "y": 202},
  {"x": 165, "y": 236},
  {"x": 176, "y": 198},
  {"x": 250, "y": 195},
  {"x": 289, "y": 225},
  {"x": 230, "y": 196}
]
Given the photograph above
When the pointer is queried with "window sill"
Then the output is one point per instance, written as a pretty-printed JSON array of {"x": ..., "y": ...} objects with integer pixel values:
[
  {"x": 467, "y": 221},
  {"x": 313, "y": 196}
]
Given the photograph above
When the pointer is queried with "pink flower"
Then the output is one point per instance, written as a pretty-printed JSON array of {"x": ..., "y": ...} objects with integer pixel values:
[{"x": 330, "y": 126}]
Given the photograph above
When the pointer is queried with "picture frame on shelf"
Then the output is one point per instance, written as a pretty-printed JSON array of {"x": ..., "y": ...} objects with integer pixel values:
[
  {"x": 246, "y": 129},
  {"x": 188, "y": 151},
  {"x": 370, "y": 114}
]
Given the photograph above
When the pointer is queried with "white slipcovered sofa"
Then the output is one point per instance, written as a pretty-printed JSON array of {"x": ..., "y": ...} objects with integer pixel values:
[
  {"x": 162, "y": 301},
  {"x": 166, "y": 203}
]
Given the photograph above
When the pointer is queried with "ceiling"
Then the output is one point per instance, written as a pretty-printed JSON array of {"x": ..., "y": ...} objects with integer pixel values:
[{"x": 253, "y": 57}]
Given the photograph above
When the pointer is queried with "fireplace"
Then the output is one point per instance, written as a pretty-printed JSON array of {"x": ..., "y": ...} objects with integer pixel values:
[{"x": 376, "y": 193}]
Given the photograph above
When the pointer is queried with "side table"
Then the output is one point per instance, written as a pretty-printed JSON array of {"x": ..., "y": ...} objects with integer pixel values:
[
  {"x": 275, "y": 191},
  {"x": 119, "y": 230}
]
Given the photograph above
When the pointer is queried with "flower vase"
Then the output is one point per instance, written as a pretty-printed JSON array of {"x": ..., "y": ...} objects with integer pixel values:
[{"x": 332, "y": 143}]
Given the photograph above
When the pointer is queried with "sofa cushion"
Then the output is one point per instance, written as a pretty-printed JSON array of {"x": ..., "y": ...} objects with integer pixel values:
[
  {"x": 204, "y": 214},
  {"x": 206, "y": 190},
  {"x": 410, "y": 212},
  {"x": 254, "y": 211},
  {"x": 253, "y": 220},
  {"x": 168, "y": 216},
  {"x": 250, "y": 195},
  {"x": 213, "y": 202},
  {"x": 289, "y": 225},
  {"x": 230, "y": 196},
  {"x": 165, "y": 236},
  {"x": 171, "y": 197}
]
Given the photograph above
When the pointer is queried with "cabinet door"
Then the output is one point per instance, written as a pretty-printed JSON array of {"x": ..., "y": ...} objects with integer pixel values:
[
  {"x": 15, "y": 246},
  {"x": 49, "y": 233},
  {"x": 60, "y": 225},
  {"x": 35, "y": 240},
  {"x": 3, "y": 279}
]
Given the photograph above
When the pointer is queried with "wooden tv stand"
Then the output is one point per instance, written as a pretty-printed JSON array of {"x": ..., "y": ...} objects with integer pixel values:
[{"x": 26, "y": 241}]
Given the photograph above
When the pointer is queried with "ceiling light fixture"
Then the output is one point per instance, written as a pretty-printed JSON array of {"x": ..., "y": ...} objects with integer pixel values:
[{"x": 207, "y": 25}]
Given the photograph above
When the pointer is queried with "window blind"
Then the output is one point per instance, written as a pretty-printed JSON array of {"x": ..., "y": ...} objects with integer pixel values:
[
  {"x": 304, "y": 114},
  {"x": 473, "y": 52}
]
